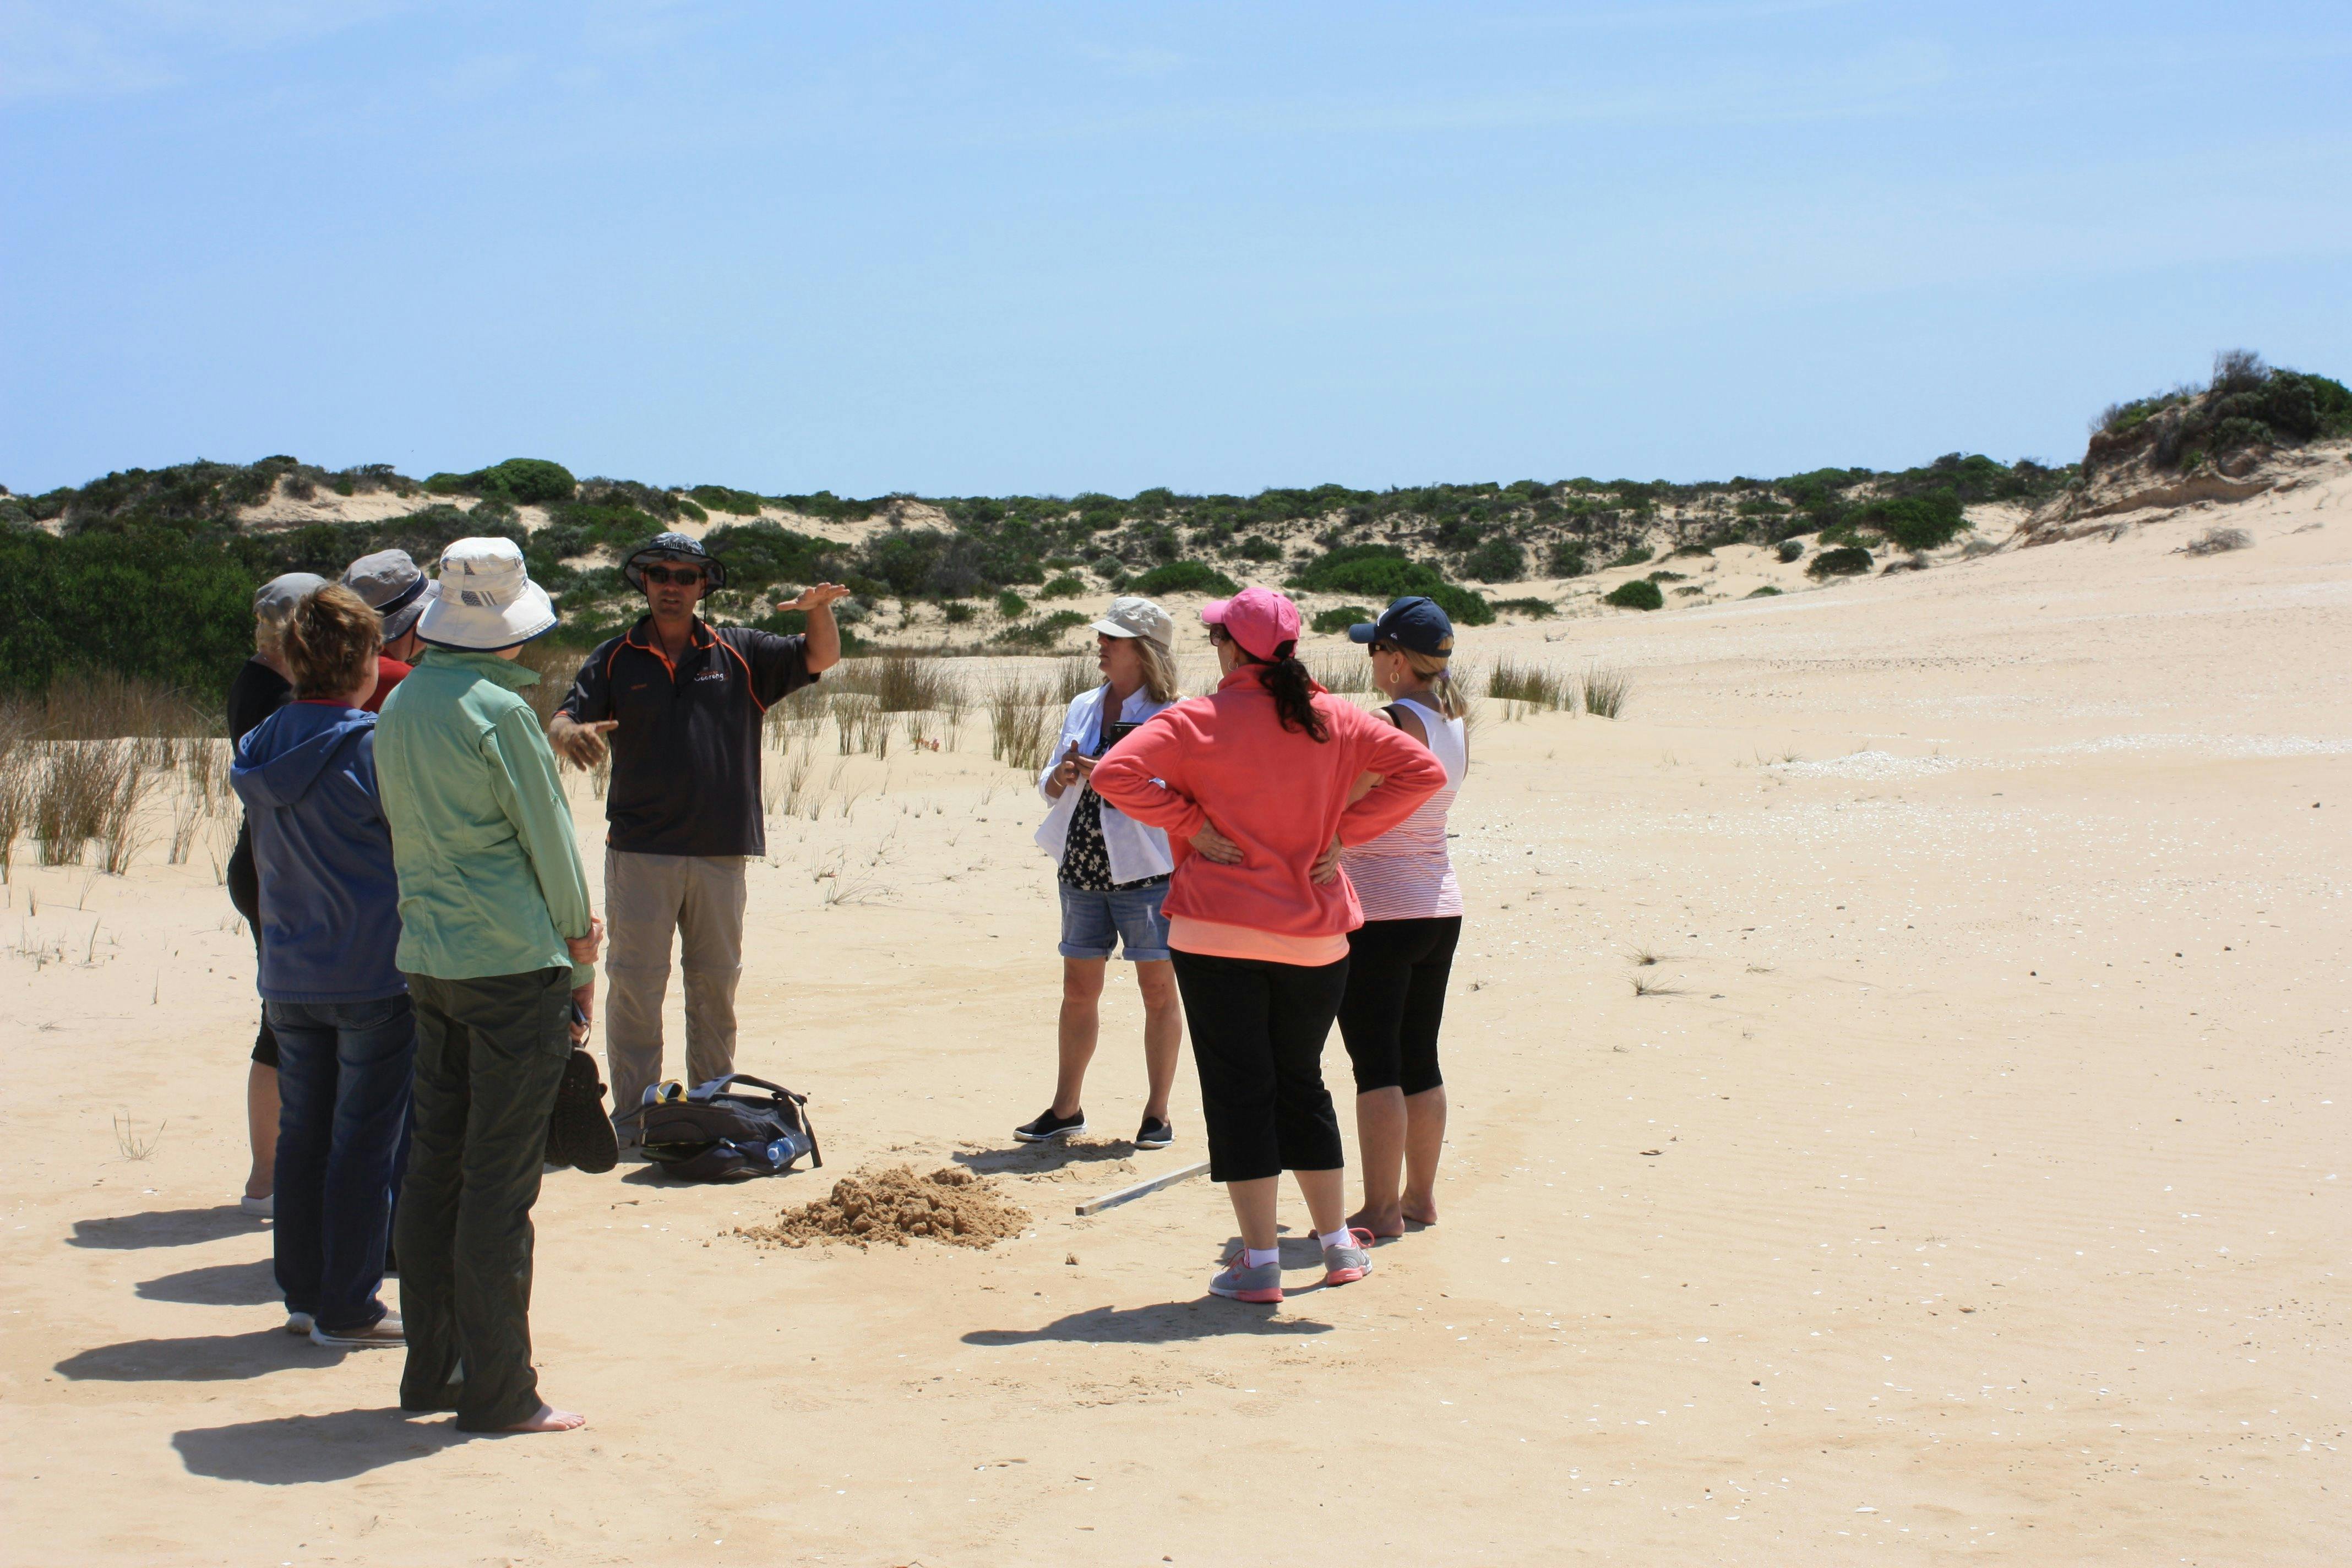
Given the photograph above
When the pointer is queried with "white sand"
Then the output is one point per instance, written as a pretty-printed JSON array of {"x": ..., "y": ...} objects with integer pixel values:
[{"x": 1998, "y": 1107}]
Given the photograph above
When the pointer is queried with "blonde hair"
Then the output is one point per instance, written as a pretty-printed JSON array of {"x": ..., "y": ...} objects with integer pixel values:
[
  {"x": 1438, "y": 671},
  {"x": 1159, "y": 678},
  {"x": 330, "y": 642}
]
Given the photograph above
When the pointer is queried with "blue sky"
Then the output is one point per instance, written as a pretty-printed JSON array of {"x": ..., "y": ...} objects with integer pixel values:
[{"x": 971, "y": 248}]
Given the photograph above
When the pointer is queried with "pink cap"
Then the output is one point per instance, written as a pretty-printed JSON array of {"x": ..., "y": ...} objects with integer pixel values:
[{"x": 1259, "y": 619}]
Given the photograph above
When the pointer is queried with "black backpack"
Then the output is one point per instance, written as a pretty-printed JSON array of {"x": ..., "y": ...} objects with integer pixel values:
[{"x": 714, "y": 1133}]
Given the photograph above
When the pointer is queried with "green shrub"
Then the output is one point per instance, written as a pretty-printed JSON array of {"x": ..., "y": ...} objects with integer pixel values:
[
  {"x": 1065, "y": 588},
  {"x": 1043, "y": 633},
  {"x": 760, "y": 554},
  {"x": 1341, "y": 618},
  {"x": 148, "y": 604},
  {"x": 1641, "y": 594},
  {"x": 525, "y": 482},
  {"x": 1765, "y": 592},
  {"x": 1568, "y": 559},
  {"x": 1918, "y": 522},
  {"x": 1529, "y": 606},
  {"x": 1382, "y": 572},
  {"x": 719, "y": 498},
  {"x": 1010, "y": 604},
  {"x": 691, "y": 512},
  {"x": 1499, "y": 559},
  {"x": 1691, "y": 549},
  {"x": 1634, "y": 556},
  {"x": 1790, "y": 549},
  {"x": 958, "y": 612},
  {"x": 1845, "y": 561},
  {"x": 1185, "y": 577},
  {"x": 1258, "y": 547}
]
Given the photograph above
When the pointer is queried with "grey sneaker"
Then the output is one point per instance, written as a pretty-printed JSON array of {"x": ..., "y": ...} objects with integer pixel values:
[
  {"x": 1240, "y": 1282},
  {"x": 299, "y": 1324},
  {"x": 1346, "y": 1264},
  {"x": 384, "y": 1333}
]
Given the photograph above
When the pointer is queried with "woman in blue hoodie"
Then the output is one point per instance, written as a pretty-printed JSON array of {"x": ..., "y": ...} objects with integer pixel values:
[{"x": 330, "y": 924}]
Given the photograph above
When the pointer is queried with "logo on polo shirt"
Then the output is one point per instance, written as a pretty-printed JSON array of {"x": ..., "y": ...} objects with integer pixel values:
[{"x": 712, "y": 675}]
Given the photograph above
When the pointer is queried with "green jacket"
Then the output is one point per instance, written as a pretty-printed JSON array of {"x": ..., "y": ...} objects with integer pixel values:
[{"x": 490, "y": 880}]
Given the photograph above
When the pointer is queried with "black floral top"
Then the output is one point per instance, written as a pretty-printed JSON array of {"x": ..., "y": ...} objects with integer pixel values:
[{"x": 1086, "y": 858}]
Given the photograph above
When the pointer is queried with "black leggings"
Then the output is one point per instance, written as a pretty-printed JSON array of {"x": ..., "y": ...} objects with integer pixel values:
[
  {"x": 1396, "y": 1000},
  {"x": 245, "y": 893},
  {"x": 1258, "y": 1030}
]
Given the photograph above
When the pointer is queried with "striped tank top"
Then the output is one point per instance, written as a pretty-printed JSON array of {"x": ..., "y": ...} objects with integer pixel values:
[{"x": 1405, "y": 873}]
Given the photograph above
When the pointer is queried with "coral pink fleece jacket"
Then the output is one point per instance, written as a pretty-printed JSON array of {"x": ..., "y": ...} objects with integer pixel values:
[{"x": 1225, "y": 759}]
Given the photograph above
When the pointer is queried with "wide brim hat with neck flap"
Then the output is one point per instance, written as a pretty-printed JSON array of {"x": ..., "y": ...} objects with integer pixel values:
[{"x": 488, "y": 601}]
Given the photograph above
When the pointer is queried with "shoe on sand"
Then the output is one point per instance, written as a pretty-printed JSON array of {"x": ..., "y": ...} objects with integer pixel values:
[
  {"x": 1154, "y": 1134},
  {"x": 1048, "y": 1126},
  {"x": 1347, "y": 1264},
  {"x": 1240, "y": 1282},
  {"x": 299, "y": 1324},
  {"x": 263, "y": 1207},
  {"x": 579, "y": 1134},
  {"x": 384, "y": 1333}
]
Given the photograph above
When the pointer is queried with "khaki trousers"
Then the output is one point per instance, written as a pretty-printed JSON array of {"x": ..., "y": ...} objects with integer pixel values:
[{"x": 649, "y": 899}]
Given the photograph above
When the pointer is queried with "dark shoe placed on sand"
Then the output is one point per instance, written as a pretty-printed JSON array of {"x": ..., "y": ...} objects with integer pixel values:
[
  {"x": 384, "y": 1333},
  {"x": 1048, "y": 1126},
  {"x": 1154, "y": 1134},
  {"x": 579, "y": 1134}
]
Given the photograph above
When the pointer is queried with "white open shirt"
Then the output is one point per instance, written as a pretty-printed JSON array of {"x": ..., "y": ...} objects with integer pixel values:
[{"x": 1136, "y": 851}]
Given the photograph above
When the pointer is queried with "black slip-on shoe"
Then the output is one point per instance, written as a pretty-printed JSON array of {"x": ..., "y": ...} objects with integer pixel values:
[
  {"x": 1048, "y": 1126},
  {"x": 1154, "y": 1134},
  {"x": 579, "y": 1130}
]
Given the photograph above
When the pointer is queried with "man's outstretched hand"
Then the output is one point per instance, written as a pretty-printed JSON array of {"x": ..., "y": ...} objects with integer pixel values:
[
  {"x": 581, "y": 745},
  {"x": 820, "y": 597}
]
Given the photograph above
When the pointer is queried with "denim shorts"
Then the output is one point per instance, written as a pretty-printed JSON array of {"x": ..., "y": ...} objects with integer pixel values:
[{"x": 1129, "y": 918}]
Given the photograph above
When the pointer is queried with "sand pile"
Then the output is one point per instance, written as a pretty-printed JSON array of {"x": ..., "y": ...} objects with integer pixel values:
[{"x": 896, "y": 1205}]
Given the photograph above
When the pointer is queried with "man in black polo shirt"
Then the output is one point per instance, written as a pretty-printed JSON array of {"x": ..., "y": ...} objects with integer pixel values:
[{"x": 682, "y": 701}]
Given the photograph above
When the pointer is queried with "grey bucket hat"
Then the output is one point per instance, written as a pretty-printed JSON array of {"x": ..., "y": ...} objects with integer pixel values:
[
  {"x": 389, "y": 582},
  {"x": 275, "y": 600}
]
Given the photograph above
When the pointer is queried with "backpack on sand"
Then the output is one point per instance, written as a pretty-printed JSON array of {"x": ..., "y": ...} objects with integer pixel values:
[{"x": 714, "y": 1133}]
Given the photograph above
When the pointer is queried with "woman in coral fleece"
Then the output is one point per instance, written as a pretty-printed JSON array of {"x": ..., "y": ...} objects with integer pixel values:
[{"x": 1258, "y": 788}]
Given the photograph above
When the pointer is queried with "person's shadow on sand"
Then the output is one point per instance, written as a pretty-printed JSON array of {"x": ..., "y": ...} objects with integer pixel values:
[
  {"x": 1033, "y": 1157},
  {"x": 295, "y": 1450},
  {"x": 197, "y": 1358},
  {"x": 164, "y": 1227},
  {"x": 253, "y": 1284},
  {"x": 1165, "y": 1322}
]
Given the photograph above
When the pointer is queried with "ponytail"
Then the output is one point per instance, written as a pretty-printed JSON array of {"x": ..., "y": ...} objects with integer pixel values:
[{"x": 1293, "y": 690}]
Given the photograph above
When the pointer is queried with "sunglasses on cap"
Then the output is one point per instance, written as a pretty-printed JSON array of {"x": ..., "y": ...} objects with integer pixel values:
[{"x": 684, "y": 576}]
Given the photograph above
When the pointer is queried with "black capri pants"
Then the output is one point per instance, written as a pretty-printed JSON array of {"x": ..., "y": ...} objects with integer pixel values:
[
  {"x": 1258, "y": 1031},
  {"x": 245, "y": 893},
  {"x": 1397, "y": 972}
]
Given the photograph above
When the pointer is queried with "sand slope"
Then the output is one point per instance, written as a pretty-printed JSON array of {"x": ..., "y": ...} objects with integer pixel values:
[{"x": 1996, "y": 1098}]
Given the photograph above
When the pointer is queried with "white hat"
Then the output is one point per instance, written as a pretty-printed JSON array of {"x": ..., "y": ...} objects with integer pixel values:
[
  {"x": 488, "y": 601},
  {"x": 1129, "y": 617}
]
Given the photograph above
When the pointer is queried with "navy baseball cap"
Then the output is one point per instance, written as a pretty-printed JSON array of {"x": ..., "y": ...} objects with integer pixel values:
[{"x": 1413, "y": 623}]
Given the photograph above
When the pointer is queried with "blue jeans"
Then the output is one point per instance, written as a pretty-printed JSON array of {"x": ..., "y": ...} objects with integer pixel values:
[
  {"x": 1127, "y": 918},
  {"x": 343, "y": 1075}
]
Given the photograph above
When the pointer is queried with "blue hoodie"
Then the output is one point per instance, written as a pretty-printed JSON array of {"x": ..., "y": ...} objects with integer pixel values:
[{"x": 329, "y": 899}]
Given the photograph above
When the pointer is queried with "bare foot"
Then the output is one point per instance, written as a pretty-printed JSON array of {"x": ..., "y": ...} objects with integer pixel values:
[
  {"x": 550, "y": 1419},
  {"x": 1392, "y": 1223},
  {"x": 1421, "y": 1212}
]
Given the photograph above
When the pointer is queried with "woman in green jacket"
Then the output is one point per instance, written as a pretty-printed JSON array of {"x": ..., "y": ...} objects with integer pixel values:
[{"x": 500, "y": 947}]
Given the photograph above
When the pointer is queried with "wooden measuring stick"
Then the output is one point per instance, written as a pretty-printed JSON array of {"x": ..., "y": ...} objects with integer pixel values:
[{"x": 1128, "y": 1194}]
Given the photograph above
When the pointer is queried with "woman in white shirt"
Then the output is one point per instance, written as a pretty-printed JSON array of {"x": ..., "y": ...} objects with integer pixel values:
[
  {"x": 1113, "y": 875},
  {"x": 1400, "y": 957}
]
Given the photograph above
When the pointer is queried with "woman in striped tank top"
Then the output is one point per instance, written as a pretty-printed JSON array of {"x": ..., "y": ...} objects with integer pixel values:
[{"x": 1400, "y": 958}]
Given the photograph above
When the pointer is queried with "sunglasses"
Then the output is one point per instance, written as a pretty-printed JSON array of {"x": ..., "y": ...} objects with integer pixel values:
[{"x": 685, "y": 577}]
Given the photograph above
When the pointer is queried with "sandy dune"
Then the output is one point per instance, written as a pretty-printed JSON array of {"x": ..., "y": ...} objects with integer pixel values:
[{"x": 1970, "y": 1189}]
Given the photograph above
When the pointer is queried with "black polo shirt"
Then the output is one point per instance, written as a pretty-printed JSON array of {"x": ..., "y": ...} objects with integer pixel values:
[{"x": 686, "y": 756}]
